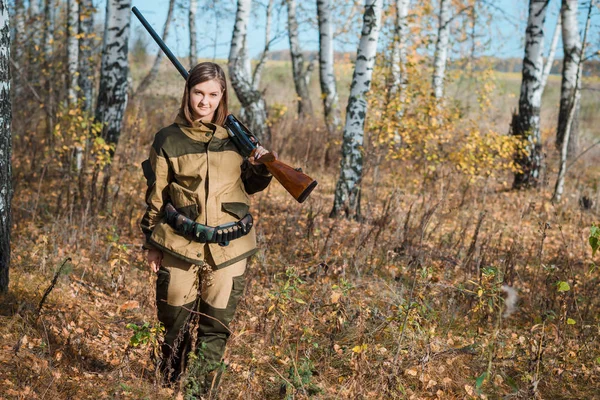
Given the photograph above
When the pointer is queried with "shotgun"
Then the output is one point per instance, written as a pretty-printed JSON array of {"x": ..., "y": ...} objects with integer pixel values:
[{"x": 297, "y": 183}]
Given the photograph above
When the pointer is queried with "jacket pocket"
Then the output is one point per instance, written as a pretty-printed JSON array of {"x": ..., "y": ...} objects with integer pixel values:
[
  {"x": 237, "y": 209},
  {"x": 184, "y": 200}
]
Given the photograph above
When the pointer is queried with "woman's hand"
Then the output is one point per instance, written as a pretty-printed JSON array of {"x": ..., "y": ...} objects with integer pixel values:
[
  {"x": 154, "y": 257},
  {"x": 258, "y": 153}
]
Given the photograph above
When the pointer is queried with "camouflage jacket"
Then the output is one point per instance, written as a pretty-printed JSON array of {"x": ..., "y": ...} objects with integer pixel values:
[{"x": 199, "y": 170}]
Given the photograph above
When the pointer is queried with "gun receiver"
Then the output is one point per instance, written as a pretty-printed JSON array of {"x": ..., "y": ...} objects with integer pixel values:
[{"x": 297, "y": 183}]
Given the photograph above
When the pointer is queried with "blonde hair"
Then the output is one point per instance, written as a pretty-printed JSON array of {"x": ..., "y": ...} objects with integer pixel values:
[{"x": 203, "y": 72}]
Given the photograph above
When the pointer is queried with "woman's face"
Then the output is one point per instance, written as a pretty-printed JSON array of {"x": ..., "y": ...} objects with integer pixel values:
[{"x": 204, "y": 99}]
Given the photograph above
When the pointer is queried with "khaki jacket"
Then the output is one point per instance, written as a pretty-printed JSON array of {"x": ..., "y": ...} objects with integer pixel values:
[{"x": 199, "y": 170}]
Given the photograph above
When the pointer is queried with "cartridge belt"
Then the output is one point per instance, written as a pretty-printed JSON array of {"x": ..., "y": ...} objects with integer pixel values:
[{"x": 221, "y": 234}]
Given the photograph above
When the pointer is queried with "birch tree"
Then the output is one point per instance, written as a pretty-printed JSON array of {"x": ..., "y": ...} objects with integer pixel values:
[
  {"x": 5, "y": 146},
  {"x": 399, "y": 78},
  {"x": 331, "y": 108},
  {"x": 151, "y": 76},
  {"x": 551, "y": 53},
  {"x": 573, "y": 104},
  {"x": 526, "y": 123},
  {"x": 193, "y": 34},
  {"x": 48, "y": 50},
  {"x": 347, "y": 191},
  {"x": 112, "y": 95},
  {"x": 571, "y": 61},
  {"x": 85, "y": 67},
  {"x": 254, "y": 109},
  {"x": 19, "y": 41},
  {"x": 257, "y": 75},
  {"x": 301, "y": 71},
  {"x": 72, "y": 48},
  {"x": 441, "y": 49}
]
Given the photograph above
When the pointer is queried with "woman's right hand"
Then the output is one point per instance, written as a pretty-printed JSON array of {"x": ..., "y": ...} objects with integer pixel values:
[{"x": 154, "y": 257}]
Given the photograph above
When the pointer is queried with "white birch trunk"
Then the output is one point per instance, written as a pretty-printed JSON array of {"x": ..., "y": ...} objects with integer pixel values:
[
  {"x": 20, "y": 44},
  {"x": 571, "y": 61},
  {"x": 193, "y": 34},
  {"x": 151, "y": 77},
  {"x": 254, "y": 109},
  {"x": 86, "y": 70},
  {"x": 48, "y": 27},
  {"x": 263, "y": 58},
  {"x": 48, "y": 53},
  {"x": 5, "y": 146},
  {"x": 331, "y": 107},
  {"x": 72, "y": 48},
  {"x": 526, "y": 124},
  {"x": 572, "y": 111},
  {"x": 347, "y": 191},
  {"x": 34, "y": 46},
  {"x": 20, "y": 33},
  {"x": 441, "y": 50},
  {"x": 399, "y": 78},
  {"x": 299, "y": 69},
  {"x": 112, "y": 95},
  {"x": 551, "y": 54}
]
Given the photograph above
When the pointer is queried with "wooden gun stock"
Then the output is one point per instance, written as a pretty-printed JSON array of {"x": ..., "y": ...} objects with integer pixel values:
[{"x": 296, "y": 182}]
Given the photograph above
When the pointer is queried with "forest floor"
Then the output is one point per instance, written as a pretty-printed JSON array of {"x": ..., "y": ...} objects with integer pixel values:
[{"x": 408, "y": 303}]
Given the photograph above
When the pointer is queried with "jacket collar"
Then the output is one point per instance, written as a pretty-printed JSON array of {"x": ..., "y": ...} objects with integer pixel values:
[{"x": 200, "y": 131}]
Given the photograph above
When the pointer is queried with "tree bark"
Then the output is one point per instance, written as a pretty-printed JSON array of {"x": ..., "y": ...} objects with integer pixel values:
[
  {"x": 571, "y": 60},
  {"x": 441, "y": 50},
  {"x": 72, "y": 49},
  {"x": 151, "y": 77},
  {"x": 526, "y": 123},
  {"x": 551, "y": 54},
  {"x": 20, "y": 44},
  {"x": 347, "y": 191},
  {"x": 5, "y": 146},
  {"x": 112, "y": 95},
  {"x": 256, "y": 77},
  {"x": 299, "y": 69},
  {"x": 399, "y": 78},
  {"x": 254, "y": 109},
  {"x": 193, "y": 34},
  {"x": 86, "y": 37},
  {"x": 331, "y": 107},
  {"x": 572, "y": 111},
  {"x": 48, "y": 53}
]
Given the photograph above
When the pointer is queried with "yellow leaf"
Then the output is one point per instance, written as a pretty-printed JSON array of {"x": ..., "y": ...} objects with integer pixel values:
[{"x": 335, "y": 297}]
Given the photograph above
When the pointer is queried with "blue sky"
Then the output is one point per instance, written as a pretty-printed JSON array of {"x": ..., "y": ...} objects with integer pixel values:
[{"x": 506, "y": 30}]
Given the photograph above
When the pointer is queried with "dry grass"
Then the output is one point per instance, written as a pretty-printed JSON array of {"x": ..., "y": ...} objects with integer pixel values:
[{"x": 406, "y": 304}]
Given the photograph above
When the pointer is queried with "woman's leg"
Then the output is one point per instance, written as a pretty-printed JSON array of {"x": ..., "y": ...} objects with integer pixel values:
[
  {"x": 176, "y": 294},
  {"x": 219, "y": 298}
]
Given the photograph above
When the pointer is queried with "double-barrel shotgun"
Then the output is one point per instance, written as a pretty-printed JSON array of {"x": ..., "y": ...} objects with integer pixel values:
[{"x": 297, "y": 183}]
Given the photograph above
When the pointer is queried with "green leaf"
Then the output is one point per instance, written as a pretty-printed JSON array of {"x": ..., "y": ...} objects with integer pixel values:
[
  {"x": 563, "y": 286},
  {"x": 300, "y": 301},
  {"x": 594, "y": 243},
  {"x": 594, "y": 238},
  {"x": 480, "y": 380},
  {"x": 570, "y": 321}
]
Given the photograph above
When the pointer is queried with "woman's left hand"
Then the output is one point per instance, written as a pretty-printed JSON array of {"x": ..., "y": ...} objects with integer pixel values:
[{"x": 258, "y": 153}]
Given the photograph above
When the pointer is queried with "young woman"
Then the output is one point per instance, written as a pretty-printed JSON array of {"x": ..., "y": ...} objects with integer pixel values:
[{"x": 198, "y": 231}]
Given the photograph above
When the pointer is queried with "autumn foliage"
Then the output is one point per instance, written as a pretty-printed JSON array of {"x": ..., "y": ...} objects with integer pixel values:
[{"x": 453, "y": 286}]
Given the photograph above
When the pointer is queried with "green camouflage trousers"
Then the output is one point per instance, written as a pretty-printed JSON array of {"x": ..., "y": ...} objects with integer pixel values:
[{"x": 196, "y": 309}]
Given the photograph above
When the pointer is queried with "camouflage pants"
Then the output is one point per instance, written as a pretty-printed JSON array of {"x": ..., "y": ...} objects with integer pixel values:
[{"x": 196, "y": 313}]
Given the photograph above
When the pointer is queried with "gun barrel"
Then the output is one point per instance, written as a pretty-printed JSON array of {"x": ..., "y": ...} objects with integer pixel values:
[{"x": 160, "y": 43}]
